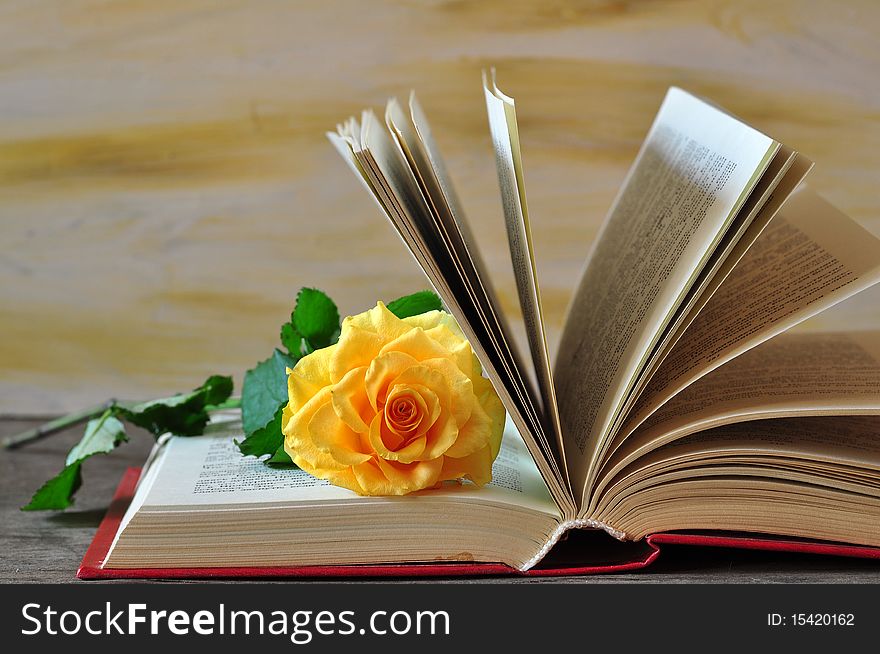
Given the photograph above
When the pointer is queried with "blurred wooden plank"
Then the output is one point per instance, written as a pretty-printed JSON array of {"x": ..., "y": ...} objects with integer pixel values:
[{"x": 165, "y": 185}]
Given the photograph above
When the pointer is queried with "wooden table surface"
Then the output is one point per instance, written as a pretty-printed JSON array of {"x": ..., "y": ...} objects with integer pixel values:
[
  {"x": 166, "y": 186},
  {"x": 48, "y": 546}
]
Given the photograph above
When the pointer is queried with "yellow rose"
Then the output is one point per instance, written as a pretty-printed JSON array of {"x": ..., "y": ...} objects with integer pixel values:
[{"x": 396, "y": 406}]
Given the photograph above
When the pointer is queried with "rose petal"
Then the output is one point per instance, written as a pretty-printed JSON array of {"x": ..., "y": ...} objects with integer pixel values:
[
  {"x": 308, "y": 376},
  {"x": 476, "y": 466},
  {"x": 476, "y": 372},
  {"x": 378, "y": 320},
  {"x": 464, "y": 358},
  {"x": 430, "y": 377},
  {"x": 491, "y": 403},
  {"x": 378, "y": 440},
  {"x": 389, "y": 440},
  {"x": 441, "y": 436},
  {"x": 412, "y": 423},
  {"x": 356, "y": 347},
  {"x": 350, "y": 400},
  {"x": 382, "y": 372},
  {"x": 333, "y": 436},
  {"x": 297, "y": 438},
  {"x": 413, "y": 476},
  {"x": 429, "y": 403},
  {"x": 432, "y": 319},
  {"x": 473, "y": 436},
  {"x": 449, "y": 337},
  {"x": 454, "y": 397},
  {"x": 427, "y": 320},
  {"x": 417, "y": 344},
  {"x": 461, "y": 396},
  {"x": 373, "y": 481}
]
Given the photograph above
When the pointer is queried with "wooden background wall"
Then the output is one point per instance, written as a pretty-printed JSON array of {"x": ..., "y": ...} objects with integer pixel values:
[{"x": 165, "y": 185}]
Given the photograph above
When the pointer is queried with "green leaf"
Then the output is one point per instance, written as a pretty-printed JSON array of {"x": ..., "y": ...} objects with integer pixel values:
[
  {"x": 292, "y": 340},
  {"x": 101, "y": 436},
  {"x": 268, "y": 440},
  {"x": 264, "y": 390},
  {"x": 316, "y": 318},
  {"x": 415, "y": 304},
  {"x": 281, "y": 459},
  {"x": 185, "y": 414},
  {"x": 265, "y": 440},
  {"x": 57, "y": 493}
]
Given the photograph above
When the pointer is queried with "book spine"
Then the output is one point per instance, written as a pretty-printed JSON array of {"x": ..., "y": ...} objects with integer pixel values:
[{"x": 575, "y": 523}]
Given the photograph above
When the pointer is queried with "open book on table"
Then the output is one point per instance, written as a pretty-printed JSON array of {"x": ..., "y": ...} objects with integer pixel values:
[{"x": 679, "y": 406}]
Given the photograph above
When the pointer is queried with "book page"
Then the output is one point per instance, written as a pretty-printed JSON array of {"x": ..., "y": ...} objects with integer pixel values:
[
  {"x": 203, "y": 504},
  {"x": 209, "y": 471},
  {"x": 406, "y": 130},
  {"x": 809, "y": 477},
  {"x": 508, "y": 158},
  {"x": 808, "y": 259},
  {"x": 450, "y": 197},
  {"x": 817, "y": 448},
  {"x": 695, "y": 170},
  {"x": 782, "y": 177},
  {"x": 841, "y": 440},
  {"x": 790, "y": 375},
  {"x": 388, "y": 176},
  {"x": 787, "y": 186}
]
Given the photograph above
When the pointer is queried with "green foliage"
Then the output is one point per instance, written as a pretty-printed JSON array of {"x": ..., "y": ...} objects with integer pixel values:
[
  {"x": 265, "y": 440},
  {"x": 268, "y": 441},
  {"x": 281, "y": 459},
  {"x": 101, "y": 436},
  {"x": 314, "y": 324},
  {"x": 57, "y": 493},
  {"x": 316, "y": 318},
  {"x": 264, "y": 390},
  {"x": 292, "y": 340},
  {"x": 415, "y": 304},
  {"x": 185, "y": 414}
]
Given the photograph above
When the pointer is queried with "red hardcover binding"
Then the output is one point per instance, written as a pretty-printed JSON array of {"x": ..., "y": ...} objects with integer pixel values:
[{"x": 618, "y": 558}]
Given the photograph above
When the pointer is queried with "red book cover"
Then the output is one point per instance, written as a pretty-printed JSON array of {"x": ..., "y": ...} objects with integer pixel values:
[{"x": 600, "y": 555}]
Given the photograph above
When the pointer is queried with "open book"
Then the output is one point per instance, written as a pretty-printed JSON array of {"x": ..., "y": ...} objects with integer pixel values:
[{"x": 678, "y": 401}]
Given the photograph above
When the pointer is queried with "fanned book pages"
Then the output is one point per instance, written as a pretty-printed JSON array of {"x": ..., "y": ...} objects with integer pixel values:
[{"x": 678, "y": 408}]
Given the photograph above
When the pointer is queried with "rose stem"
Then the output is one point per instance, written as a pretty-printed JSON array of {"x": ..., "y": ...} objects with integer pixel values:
[
  {"x": 56, "y": 425},
  {"x": 71, "y": 419},
  {"x": 231, "y": 403}
]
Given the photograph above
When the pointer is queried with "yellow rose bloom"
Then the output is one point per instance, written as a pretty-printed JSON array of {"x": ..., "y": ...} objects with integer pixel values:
[{"x": 396, "y": 406}]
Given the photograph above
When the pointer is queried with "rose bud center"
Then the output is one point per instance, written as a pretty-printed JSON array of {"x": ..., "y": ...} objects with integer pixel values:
[{"x": 406, "y": 416}]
